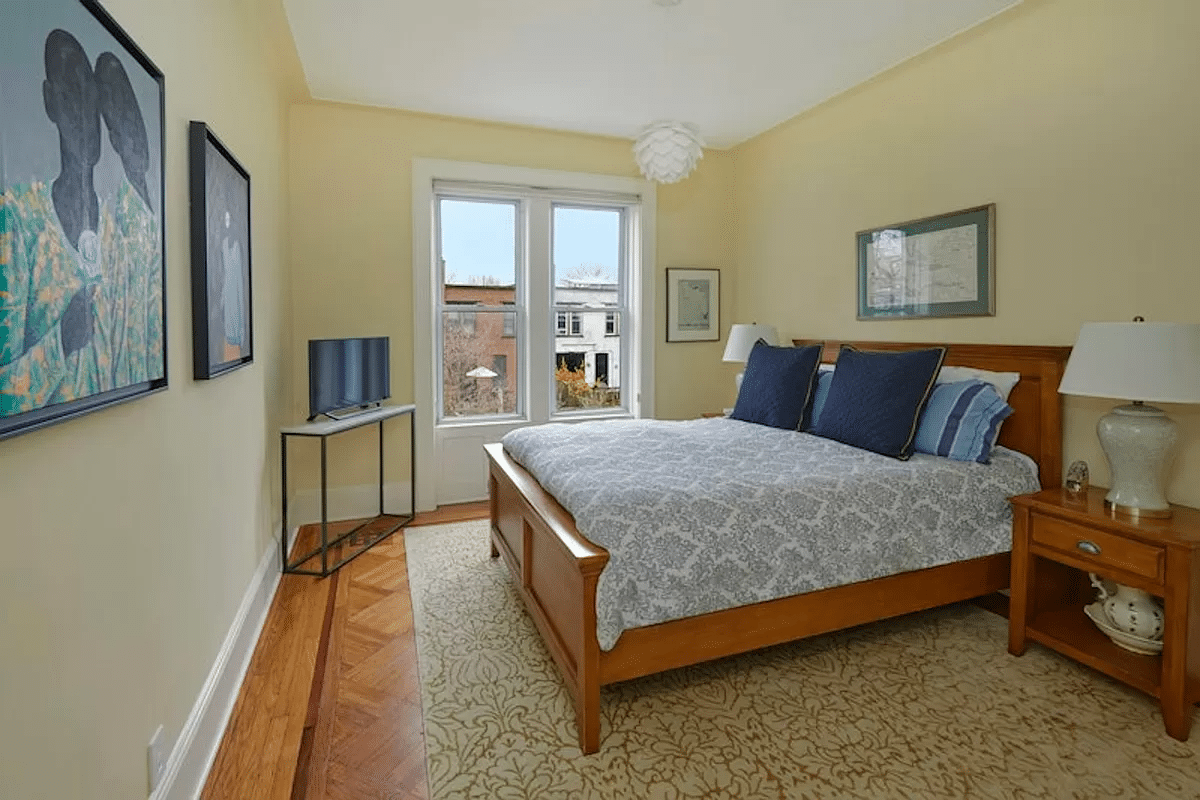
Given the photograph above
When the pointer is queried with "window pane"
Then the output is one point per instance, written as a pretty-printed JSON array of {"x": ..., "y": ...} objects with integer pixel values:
[
  {"x": 479, "y": 365},
  {"x": 587, "y": 365},
  {"x": 587, "y": 254},
  {"x": 478, "y": 245}
]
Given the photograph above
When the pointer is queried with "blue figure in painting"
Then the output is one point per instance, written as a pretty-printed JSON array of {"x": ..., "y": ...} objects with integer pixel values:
[
  {"x": 80, "y": 276},
  {"x": 133, "y": 285}
]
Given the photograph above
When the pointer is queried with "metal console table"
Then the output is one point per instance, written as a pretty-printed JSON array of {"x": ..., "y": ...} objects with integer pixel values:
[{"x": 358, "y": 539}]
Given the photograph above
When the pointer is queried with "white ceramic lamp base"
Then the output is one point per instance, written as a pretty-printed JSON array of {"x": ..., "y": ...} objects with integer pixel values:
[{"x": 1137, "y": 439}]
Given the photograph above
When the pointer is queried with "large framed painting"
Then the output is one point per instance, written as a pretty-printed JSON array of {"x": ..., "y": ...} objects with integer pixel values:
[
  {"x": 82, "y": 273},
  {"x": 220, "y": 198},
  {"x": 693, "y": 305},
  {"x": 943, "y": 266}
]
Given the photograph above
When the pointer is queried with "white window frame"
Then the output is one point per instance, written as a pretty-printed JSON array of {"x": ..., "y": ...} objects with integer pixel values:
[{"x": 637, "y": 375}]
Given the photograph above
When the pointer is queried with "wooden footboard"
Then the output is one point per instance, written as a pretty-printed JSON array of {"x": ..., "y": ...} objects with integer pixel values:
[{"x": 556, "y": 569}]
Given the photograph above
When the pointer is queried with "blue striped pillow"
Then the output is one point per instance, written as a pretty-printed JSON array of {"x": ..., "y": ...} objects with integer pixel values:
[
  {"x": 962, "y": 421},
  {"x": 824, "y": 380}
]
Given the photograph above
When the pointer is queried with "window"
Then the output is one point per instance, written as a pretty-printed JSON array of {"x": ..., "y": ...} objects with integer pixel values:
[
  {"x": 570, "y": 361},
  {"x": 464, "y": 320},
  {"x": 549, "y": 241},
  {"x": 490, "y": 259},
  {"x": 568, "y": 323}
]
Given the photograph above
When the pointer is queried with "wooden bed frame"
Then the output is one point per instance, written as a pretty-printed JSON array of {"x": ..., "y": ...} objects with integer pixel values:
[{"x": 556, "y": 569}]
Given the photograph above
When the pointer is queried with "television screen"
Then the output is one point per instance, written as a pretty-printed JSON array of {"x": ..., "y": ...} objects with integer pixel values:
[{"x": 346, "y": 374}]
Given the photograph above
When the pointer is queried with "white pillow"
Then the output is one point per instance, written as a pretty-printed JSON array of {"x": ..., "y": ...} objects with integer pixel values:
[{"x": 1003, "y": 381}]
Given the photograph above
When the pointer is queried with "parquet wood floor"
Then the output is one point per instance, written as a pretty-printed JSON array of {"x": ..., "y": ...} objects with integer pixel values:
[{"x": 331, "y": 706}]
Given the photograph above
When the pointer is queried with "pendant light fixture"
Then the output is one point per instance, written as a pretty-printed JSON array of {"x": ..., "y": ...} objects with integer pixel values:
[{"x": 667, "y": 151}]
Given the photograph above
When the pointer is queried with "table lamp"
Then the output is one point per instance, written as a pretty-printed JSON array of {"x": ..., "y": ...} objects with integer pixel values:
[
  {"x": 741, "y": 342},
  {"x": 1157, "y": 362}
]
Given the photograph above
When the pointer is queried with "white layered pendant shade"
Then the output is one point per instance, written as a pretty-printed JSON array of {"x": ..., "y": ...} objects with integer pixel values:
[{"x": 667, "y": 151}]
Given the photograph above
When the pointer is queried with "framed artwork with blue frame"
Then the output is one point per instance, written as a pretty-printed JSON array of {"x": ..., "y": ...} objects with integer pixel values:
[
  {"x": 222, "y": 329},
  {"x": 943, "y": 266},
  {"x": 82, "y": 268}
]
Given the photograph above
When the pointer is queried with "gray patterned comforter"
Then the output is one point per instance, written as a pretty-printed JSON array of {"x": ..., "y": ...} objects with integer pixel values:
[{"x": 708, "y": 514}]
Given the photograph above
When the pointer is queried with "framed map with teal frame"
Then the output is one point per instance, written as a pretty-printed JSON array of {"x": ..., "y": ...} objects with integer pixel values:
[
  {"x": 941, "y": 266},
  {"x": 82, "y": 274}
]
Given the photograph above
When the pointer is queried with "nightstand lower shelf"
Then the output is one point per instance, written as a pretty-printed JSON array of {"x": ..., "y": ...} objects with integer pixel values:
[{"x": 1068, "y": 631}]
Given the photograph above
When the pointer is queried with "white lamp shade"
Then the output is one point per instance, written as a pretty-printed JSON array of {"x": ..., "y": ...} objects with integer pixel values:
[
  {"x": 1156, "y": 362},
  {"x": 742, "y": 339}
]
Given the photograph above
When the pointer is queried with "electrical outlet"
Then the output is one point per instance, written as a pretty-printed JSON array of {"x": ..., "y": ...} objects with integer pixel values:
[{"x": 156, "y": 758}]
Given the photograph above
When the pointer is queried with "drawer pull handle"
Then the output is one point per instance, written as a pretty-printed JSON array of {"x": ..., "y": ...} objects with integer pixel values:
[{"x": 1088, "y": 547}]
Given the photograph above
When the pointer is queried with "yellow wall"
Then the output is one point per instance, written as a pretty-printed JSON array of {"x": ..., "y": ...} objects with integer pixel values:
[
  {"x": 351, "y": 256},
  {"x": 131, "y": 534},
  {"x": 1078, "y": 119}
]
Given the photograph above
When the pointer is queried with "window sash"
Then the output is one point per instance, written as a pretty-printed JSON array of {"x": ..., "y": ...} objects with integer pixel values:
[{"x": 523, "y": 320}]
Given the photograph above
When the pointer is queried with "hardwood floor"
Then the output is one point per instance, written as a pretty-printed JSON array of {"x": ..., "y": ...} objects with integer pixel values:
[{"x": 330, "y": 708}]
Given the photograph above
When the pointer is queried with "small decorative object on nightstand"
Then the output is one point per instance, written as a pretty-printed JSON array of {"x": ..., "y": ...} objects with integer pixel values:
[
  {"x": 1077, "y": 478},
  {"x": 1058, "y": 540}
]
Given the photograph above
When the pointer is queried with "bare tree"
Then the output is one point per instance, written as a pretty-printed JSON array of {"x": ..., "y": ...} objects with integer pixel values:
[
  {"x": 590, "y": 273},
  {"x": 474, "y": 280},
  {"x": 463, "y": 395}
]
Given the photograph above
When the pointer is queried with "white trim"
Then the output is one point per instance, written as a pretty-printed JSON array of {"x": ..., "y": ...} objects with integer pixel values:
[
  {"x": 425, "y": 171},
  {"x": 194, "y": 751}
]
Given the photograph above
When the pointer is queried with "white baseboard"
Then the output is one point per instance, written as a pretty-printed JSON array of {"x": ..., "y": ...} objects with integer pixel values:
[
  {"x": 196, "y": 747},
  {"x": 348, "y": 502},
  {"x": 194, "y": 751}
]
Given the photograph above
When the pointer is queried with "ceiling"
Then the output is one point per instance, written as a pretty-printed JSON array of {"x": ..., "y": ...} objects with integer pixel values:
[{"x": 732, "y": 68}]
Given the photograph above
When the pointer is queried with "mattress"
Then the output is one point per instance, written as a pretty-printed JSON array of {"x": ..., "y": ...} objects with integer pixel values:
[{"x": 704, "y": 515}]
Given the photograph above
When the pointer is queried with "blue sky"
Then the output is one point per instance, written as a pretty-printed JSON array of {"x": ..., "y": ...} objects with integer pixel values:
[{"x": 478, "y": 239}]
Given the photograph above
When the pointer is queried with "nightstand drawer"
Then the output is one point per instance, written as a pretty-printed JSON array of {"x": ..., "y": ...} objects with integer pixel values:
[{"x": 1098, "y": 547}]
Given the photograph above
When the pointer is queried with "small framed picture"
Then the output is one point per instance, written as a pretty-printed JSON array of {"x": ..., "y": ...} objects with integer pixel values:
[
  {"x": 943, "y": 266},
  {"x": 222, "y": 334},
  {"x": 693, "y": 305}
]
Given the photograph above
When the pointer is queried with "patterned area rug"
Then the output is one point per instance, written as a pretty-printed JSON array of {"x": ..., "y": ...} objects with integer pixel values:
[{"x": 926, "y": 706}]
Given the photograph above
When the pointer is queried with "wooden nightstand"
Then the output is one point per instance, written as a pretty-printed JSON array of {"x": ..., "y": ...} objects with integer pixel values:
[{"x": 1058, "y": 539}]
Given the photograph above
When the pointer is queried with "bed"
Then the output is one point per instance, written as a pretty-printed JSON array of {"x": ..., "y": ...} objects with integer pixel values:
[{"x": 556, "y": 570}]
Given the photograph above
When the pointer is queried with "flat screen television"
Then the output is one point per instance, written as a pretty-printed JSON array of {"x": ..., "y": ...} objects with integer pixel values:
[{"x": 346, "y": 375}]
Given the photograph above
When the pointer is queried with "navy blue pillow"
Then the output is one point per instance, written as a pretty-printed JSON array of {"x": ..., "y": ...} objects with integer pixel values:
[
  {"x": 777, "y": 386},
  {"x": 876, "y": 398}
]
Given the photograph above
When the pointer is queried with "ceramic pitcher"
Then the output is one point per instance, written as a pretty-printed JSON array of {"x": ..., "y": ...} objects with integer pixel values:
[{"x": 1131, "y": 610}]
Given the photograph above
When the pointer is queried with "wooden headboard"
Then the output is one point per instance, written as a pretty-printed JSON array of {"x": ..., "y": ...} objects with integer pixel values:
[{"x": 1035, "y": 428}]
